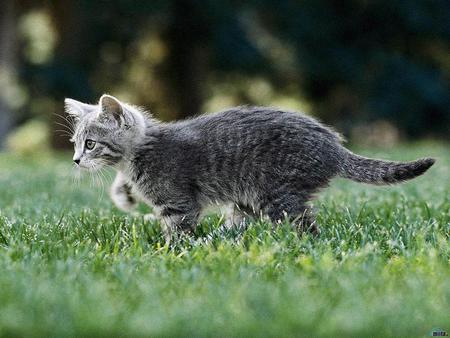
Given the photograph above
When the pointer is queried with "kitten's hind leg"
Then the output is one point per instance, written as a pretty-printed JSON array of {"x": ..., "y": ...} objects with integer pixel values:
[
  {"x": 306, "y": 222},
  {"x": 121, "y": 193},
  {"x": 294, "y": 208}
]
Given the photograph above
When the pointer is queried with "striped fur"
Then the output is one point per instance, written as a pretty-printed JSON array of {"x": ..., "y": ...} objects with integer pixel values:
[
  {"x": 367, "y": 170},
  {"x": 265, "y": 161}
]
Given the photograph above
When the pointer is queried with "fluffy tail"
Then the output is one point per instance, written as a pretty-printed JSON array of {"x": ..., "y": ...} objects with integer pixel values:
[{"x": 367, "y": 170}]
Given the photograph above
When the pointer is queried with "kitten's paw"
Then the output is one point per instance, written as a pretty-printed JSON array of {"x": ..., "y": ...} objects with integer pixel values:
[
  {"x": 122, "y": 193},
  {"x": 123, "y": 199},
  {"x": 150, "y": 217},
  {"x": 235, "y": 223},
  {"x": 308, "y": 224}
]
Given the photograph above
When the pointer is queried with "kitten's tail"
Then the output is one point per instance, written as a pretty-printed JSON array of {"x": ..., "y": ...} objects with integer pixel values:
[{"x": 367, "y": 170}]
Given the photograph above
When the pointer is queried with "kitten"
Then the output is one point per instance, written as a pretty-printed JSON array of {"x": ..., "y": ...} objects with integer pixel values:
[{"x": 265, "y": 161}]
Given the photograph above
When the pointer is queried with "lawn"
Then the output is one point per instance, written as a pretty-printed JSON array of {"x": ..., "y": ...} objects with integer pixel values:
[{"x": 71, "y": 264}]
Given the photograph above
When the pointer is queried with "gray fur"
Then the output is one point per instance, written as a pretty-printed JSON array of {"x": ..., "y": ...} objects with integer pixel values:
[{"x": 266, "y": 161}]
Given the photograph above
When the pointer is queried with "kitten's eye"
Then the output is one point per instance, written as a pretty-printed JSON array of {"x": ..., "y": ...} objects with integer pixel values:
[{"x": 90, "y": 144}]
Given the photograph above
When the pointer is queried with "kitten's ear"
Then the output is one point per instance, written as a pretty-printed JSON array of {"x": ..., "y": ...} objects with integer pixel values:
[
  {"x": 111, "y": 108},
  {"x": 77, "y": 109}
]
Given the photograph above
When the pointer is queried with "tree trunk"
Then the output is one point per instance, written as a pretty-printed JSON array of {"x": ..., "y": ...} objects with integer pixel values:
[
  {"x": 7, "y": 62},
  {"x": 186, "y": 60}
]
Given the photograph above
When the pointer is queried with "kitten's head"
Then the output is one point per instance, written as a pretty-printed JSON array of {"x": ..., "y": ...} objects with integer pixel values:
[{"x": 105, "y": 132}]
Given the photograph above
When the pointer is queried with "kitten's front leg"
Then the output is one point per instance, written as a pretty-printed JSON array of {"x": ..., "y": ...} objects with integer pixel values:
[
  {"x": 122, "y": 194},
  {"x": 238, "y": 215},
  {"x": 174, "y": 221}
]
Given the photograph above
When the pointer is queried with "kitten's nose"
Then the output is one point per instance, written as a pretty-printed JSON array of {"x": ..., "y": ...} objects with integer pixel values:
[{"x": 76, "y": 160}]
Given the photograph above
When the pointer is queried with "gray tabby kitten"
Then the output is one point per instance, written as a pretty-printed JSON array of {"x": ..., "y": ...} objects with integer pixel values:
[{"x": 264, "y": 161}]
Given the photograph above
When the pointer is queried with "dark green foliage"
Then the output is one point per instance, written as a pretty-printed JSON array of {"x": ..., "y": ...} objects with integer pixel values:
[
  {"x": 386, "y": 55},
  {"x": 356, "y": 61}
]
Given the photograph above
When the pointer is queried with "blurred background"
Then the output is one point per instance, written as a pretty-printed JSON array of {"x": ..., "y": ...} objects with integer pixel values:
[{"x": 379, "y": 71}]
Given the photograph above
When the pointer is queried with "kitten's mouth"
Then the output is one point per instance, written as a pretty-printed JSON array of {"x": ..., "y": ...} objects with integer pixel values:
[{"x": 89, "y": 167}]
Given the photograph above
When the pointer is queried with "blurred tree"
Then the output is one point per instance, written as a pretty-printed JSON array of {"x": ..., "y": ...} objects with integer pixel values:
[
  {"x": 67, "y": 75},
  {"x": 186, "y": 39},
  {"x": 354, "y": 61},
  {"x": 8, "y": 49},
  {"x": 362, "y": 60},
  {"x": 196, "y": 36}
]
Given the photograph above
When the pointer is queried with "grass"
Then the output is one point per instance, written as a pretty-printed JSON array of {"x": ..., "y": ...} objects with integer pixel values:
[{"x": 73, "y": 265}]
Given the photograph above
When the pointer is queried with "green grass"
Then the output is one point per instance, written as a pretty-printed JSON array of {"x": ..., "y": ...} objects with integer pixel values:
[{"x": 73, "y": 265}]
